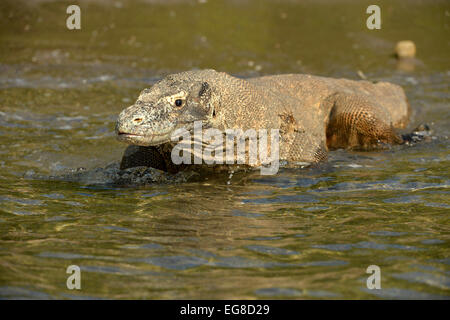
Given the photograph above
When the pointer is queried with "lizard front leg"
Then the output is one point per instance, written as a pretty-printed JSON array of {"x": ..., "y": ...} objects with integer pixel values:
[
  {"x": 301, "y": 141},
  {"x": 135, "y": 156}
]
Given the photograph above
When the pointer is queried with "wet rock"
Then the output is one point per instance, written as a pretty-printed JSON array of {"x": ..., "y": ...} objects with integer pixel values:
[
  {"x": 405, "y": 52},
  {"x": 405, "y": 49},
  {"x": 112, "y": 175},
  {"x": 421, "y": 133}
]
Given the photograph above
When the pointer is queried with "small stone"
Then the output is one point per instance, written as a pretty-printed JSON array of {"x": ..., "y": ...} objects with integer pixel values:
[{"x": 405, "y": 49}]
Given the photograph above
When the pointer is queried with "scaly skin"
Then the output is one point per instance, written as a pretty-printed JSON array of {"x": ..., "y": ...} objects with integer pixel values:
[{"x": 313, "y": 113}]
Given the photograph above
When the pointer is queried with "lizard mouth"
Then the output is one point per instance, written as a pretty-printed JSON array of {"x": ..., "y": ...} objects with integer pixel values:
[{"x": 143, "y": 140}]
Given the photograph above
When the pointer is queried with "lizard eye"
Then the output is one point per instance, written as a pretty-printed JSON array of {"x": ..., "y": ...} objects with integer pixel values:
[{"x": 178, "y": 102}]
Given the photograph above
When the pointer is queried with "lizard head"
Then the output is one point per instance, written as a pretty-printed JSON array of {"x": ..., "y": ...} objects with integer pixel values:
[{"x": 172, "y": 103}]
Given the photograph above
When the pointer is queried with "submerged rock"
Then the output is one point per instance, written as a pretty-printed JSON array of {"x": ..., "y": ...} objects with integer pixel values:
[{"x": 112, "y": 175}]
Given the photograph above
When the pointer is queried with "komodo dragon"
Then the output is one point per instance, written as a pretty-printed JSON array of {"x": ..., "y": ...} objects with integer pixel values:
[{"x": 313, "y": 114}]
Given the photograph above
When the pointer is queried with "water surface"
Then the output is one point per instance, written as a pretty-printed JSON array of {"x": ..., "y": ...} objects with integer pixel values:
[{"x": 304, "y": 233}]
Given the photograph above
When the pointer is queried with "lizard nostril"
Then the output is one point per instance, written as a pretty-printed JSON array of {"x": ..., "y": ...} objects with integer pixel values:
[{"x": 138, "y": 120}]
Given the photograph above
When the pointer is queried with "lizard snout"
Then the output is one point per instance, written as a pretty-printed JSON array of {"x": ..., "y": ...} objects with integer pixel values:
[
  {"x": 130, "y": 121},
  {"x": 143, "y": 125}
]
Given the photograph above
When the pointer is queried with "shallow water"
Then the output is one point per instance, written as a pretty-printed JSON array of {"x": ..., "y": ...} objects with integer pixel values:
[{"x": 304, "y": 233}]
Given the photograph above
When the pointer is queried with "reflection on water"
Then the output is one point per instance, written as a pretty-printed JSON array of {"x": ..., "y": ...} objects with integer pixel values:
[{"x": 307, "y": 233}]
